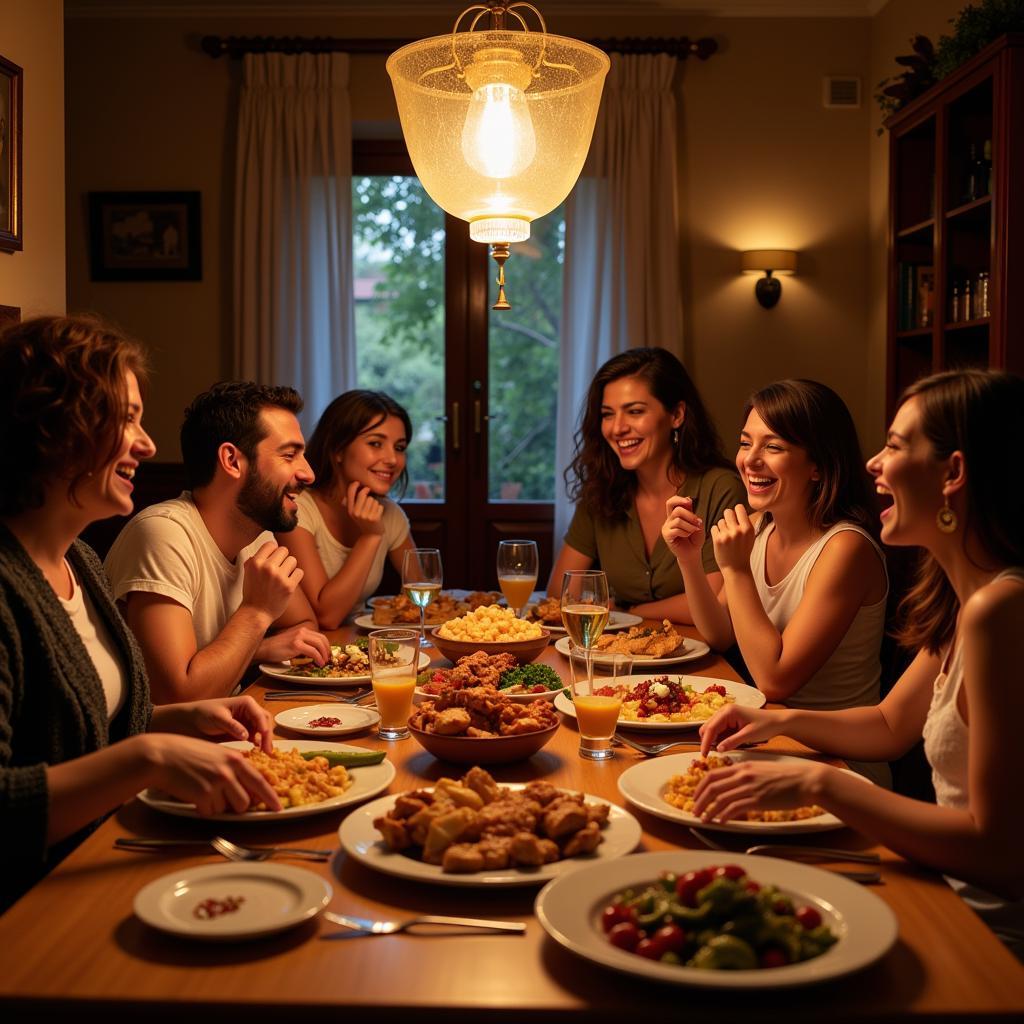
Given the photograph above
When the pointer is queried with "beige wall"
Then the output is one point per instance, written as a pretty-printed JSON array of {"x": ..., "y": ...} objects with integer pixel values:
[
  {"x": 32, "y": 36},
  {"x": 762, "y": 165}
]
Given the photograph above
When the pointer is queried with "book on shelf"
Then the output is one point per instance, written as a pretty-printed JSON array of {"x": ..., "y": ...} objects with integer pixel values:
[{"x": 916, "y": 296}]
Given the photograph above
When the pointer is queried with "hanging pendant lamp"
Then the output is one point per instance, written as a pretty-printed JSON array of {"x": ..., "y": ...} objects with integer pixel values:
[{"x": 498, "y": 122}]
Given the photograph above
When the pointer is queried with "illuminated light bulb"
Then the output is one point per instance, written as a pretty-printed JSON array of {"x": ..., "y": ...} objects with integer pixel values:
[{"x": 498, "y": 139}]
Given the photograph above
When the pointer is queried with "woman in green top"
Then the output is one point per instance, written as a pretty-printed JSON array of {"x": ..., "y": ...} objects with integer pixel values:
[{"x": 645, "y": 437}]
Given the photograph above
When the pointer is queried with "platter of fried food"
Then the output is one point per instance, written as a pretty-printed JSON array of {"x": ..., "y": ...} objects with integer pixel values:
[
  {"x": 669, "y": 702},
  {"x": 472, "y": 832},
  {"x": 305, "y": 786},
  {"x": 449, "y": 604},
  {"x": 664, "y": 787},
  {"x": 548, "y": 613},
  {"x": 522, "y": 684},
  {"x": 646, "y": 645}
]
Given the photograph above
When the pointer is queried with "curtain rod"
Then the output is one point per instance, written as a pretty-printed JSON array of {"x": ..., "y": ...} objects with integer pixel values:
[{"x": 236, "y": 46}]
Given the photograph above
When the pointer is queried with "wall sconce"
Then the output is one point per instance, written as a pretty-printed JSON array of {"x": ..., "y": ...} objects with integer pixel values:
[{"x": 770, "y": 261}]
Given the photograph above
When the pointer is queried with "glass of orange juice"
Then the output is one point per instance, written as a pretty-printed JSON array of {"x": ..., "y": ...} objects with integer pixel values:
[
  {"x": 597, "y": 698},
  {"x": 517, "y": 572},
  {"x": 394, "y": 655}
]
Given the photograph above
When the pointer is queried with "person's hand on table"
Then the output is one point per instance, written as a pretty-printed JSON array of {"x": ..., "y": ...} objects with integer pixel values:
[
  {"x": 300, "y": 641},
  {"x": 228, "y": 718},
  {"x": 734, "y": 725},
  {"x": 726, "y": 793}
]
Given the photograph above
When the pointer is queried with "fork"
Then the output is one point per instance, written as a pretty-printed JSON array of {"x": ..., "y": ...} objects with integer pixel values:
[
  {"x": 365, "y": 926},
  {"x": 865, "y": 877},
  {"x": 226, "y": 848},
  {"x": 317, "y": 695},
  {"x": 652, "y": 749}
]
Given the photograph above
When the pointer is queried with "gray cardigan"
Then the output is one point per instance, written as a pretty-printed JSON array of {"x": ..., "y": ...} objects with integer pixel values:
[{"x": 52, "y": 705}]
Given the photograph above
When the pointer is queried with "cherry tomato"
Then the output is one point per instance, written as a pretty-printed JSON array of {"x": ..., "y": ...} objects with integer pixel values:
[
  {"x": 616, "y": 913},
  {"x": 733, "y": 871},
  {"x": 671, "y": 938},
  {"x": 649, "y": 948},
  {"x": 808, "y": 917},
  {"x": 773, "y": 956},
  {"x": 752, "y": 886},
  {"x": 690, "y": 884},
  {"x": 625, "y": 935}
]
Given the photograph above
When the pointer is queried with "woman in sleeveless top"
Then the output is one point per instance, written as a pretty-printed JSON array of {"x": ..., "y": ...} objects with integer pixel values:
[
  {"x": 805, "y": 583},
  {"x": 953, "y": 494},
  {"x": 348, "y": 525}
]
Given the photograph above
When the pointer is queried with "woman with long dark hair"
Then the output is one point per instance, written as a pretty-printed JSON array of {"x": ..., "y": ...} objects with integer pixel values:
[
  {"x": 953, "y": 493},
  {"x": 347, "y": 523},
  {"x": 78, "y": 732},
  {"x": 644, "y": 437},
  {"x": 805, "y": 582}
]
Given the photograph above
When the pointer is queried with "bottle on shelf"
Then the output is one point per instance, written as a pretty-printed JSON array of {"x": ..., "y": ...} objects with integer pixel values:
[
  {"x": 966, "y": 301},
  {"x": 954, "y": 305},
  {"x": 981, "y": 295}
]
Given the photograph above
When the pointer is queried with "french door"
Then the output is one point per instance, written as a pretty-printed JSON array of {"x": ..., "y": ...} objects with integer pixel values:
[{"x": 480, "y": 386}]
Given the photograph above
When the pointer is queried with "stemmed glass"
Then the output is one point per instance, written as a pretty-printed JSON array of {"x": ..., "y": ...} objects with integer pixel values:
[
  {"x": 421, "y": 581},
  {"x": 517, "y": 572}
]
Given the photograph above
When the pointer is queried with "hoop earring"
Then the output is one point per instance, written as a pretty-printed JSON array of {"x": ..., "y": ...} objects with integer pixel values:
[
  {"x": 945, "y": 518},
  {"x": 675, "y": 437}
]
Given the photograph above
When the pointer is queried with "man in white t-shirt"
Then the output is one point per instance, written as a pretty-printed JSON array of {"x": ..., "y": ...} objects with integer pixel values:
[{"x": 206, "y": 588}]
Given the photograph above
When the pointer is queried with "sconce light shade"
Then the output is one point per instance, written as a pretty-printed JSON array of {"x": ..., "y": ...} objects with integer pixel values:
[{"x": 769, "y": 261}]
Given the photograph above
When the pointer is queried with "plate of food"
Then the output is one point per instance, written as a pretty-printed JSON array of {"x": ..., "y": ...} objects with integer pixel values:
[
  {"x": 521, "y": 683},
  {"x": 683, "y": 649},
  {"x": 227, "y": 902},
  {"x": 669, "y": 703},
  {"x": 349, "y": 665},
  {"x": 764, "y": 922},
  {"x": 398, "y": 610},
  {"x": 664, "y": 787},
  {"x": 526, "y": 833},
  {"x": 549, "y": 614},
  {"x": 327, "y": 719},
  {"x": 307, "y": 785}
]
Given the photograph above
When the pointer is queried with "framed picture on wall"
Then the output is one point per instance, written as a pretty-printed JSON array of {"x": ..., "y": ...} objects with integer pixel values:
[
  {"x": 11, "y": 79},
  {"x": 145, "y": 236}
]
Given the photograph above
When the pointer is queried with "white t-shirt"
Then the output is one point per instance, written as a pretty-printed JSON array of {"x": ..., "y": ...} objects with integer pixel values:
[
  {"x": 99, "y": 645},
  {"x": 334, "y": 554},
  {"x": 167, "y": 549}
]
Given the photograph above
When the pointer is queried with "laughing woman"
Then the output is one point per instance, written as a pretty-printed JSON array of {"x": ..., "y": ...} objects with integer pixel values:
[
  {"x": 347, "y": 523},
  {"x": 78, "y": 734},
  {"x": 944, "y": 467},
  {"x": 645, "y": 436},
  {"x": 805, "y": 583}
]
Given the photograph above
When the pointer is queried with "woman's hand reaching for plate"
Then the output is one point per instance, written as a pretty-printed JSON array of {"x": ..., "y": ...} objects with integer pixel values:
[
  {"x": 726, "y": 793},
  {"x": 735, "y": 725}
]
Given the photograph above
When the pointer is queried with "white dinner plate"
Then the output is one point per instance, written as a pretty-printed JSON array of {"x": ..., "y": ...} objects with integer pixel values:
[
  {"x": 352, "y": 719},
  {"x": 692, "y": 650},
  {"x": 745, "y": 696},
  {"x": 616, "y": 621},
  {"x": 282, "y": 670},
  {"x": 367, "y": 781},
  {"x": 360, "y": 840},
  {"x": 644, "y": 783},
  {"x": 271, "y": 898},
  {"x": 569, "y": 910}
]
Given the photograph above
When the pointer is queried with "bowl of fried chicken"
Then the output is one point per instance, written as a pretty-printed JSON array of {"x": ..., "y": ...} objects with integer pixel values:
[{"x": 479, "y": 725}]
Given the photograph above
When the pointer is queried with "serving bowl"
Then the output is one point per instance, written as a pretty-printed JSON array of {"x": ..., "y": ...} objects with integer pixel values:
[
  {"x": 523, "y": 650},
  {"x": 486, "y": 749}
]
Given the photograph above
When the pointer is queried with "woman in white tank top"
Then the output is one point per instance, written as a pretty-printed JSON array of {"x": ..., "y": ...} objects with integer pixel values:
[
  {"x": 805, "y": 584},
  {"x": 955, "y": 495}
]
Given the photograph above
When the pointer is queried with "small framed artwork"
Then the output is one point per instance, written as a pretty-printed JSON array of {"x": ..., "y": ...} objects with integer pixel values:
[
  {"x": 11, "y": 79},
  {"x": 145, "y": 236}
]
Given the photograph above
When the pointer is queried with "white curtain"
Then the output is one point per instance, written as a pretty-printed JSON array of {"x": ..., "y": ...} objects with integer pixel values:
[
  {"x": 621, "y": 243},
  {"x": 294, "y": 311}
]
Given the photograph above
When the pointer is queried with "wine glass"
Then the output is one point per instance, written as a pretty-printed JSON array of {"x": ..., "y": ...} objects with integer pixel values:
[
  {"x": 517, "y": 572},
  {"x": 585, "y": 607},
  {"x": 421, "y": 581}
]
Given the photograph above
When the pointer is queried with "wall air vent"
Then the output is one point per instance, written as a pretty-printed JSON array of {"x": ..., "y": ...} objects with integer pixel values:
[{"x": 841, "y": 91}]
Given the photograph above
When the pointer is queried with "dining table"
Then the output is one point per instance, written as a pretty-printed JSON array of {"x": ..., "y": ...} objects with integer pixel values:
[{"x": 72, "y": 948}]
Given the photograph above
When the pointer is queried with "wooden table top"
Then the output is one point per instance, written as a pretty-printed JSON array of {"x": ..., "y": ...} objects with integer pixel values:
[{"x": 72, "y": 948}]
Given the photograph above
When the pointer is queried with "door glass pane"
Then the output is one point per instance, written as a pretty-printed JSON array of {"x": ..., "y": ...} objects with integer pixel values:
[
  {"x": 398, "y": 241},
  {"x": 523, "y": 358}
]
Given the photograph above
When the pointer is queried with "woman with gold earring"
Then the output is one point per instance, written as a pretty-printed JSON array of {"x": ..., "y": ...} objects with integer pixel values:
[{"x": 944, "y": 468}]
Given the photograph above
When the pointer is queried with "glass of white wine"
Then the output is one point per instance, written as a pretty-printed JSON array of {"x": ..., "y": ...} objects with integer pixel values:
[
  {"x": 585, "y": 608},
  {"x": 517, "y": 572},
  {"x": 421, "y": 581}
]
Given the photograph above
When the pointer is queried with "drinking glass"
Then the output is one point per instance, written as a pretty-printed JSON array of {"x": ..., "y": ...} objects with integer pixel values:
[
  {"x": 585, "y": 609},
  {"x": 517, "y": 572},
  {"x": 394, "y": 658},
  {"x": 597, "y": 713},
  {"x": 421, "y": 581}
]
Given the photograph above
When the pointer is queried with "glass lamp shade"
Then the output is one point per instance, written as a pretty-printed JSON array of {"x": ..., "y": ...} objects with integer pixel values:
[{"x": 498, "y": 123}]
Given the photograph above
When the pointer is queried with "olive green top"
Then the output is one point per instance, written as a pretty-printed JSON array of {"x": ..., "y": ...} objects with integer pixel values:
[{"x": 618, "y": 548}]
